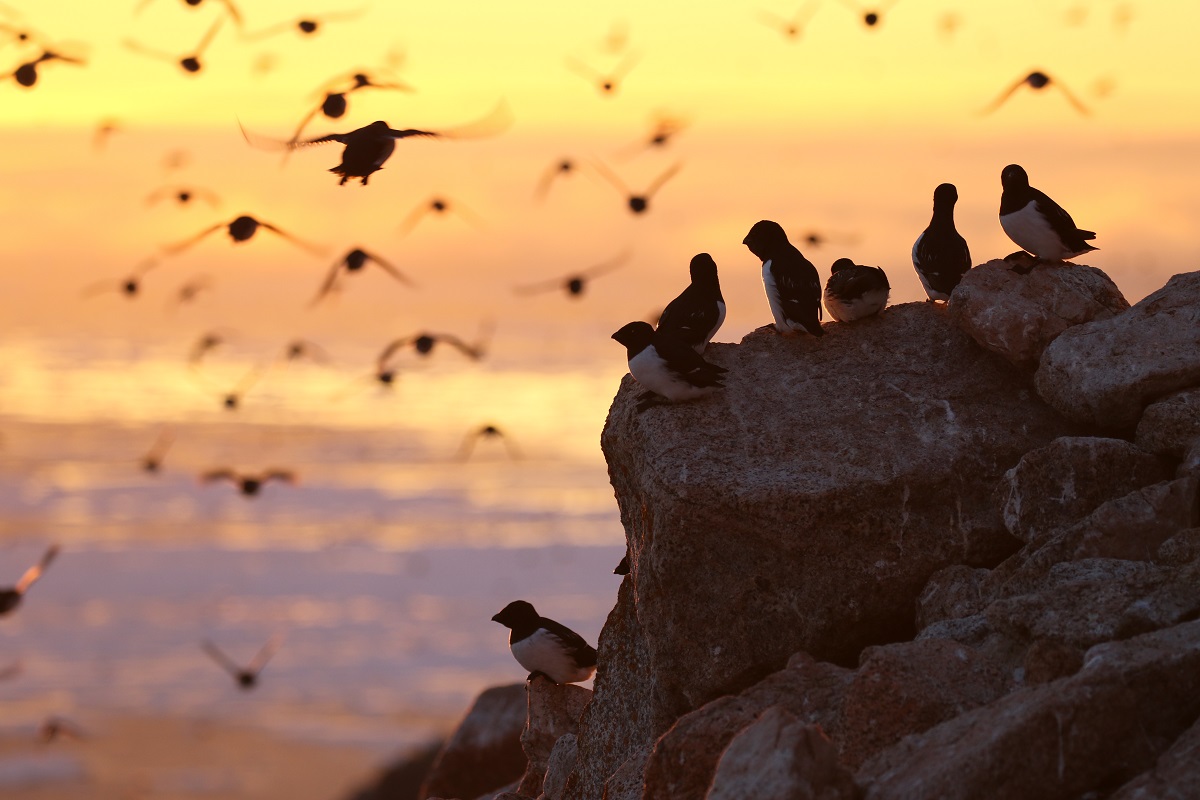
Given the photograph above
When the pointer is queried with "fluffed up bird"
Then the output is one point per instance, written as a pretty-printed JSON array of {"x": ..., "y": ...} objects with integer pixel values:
[
  {"x": 1036, "y": 223},
  {"x": 668, "y": 367},
  {"x": 10, "y": 597},
  {"x": 940, "y": 255},
  {"x": 249, "y": 483},
  {"x": 854, "y": 291},
  {"x": 696, "y": 314},
  {"x": 791, "y": 281},
  {"x": 545, "y": 647},
  {"x": 247, "y": 676}
]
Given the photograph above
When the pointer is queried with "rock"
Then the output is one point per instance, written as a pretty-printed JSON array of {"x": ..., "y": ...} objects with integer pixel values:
[
  {"x": 402, "y": 779},
  {"x": 559, "y": 766},
  {"x": 1059, "y": 484},
  {"x": 1171, "y": 426},
  {"x": 737, "y": 529},
  {"x": 626, "y": 783},
  {"x": 950, "y": 593},
  {"x": 685, "y": 758},
  {"x": 484, "y": 754},
  {"x": 553, "y": 710},
  {"x": 1176, "y": 775},
  {"x": 1060, "y": 740},
  {"x": 905, "y": 688},
  {"x": 1191, "y": 462},
  {"x": 1047, "y": 660},
  {"x": 1105, "y": 372},
  {"x": 1018, "y": 315},
  {"x": 1180, "y": 548},
  {"x": 778, "y": 757}
]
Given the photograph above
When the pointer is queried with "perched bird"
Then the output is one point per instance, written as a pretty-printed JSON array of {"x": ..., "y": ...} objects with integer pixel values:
[
  {"x": 1037, "y": 80},
  {"x": 606, "y": 83},
  {"x": 189, "y": 63},
  {"x": 353, "y": 262},
  {"x": 183, "y": 195},
  {"x": 792, "y": 283},
  {"x": 696, "y": 314},
  {"x": 152, "y": 461},
  {"x": 574, "y": 283},
  {"x": 791, "y": 27},
  {"x": 10, "y": 597},
  {"x": 668, "y": 367},
  {"x": 545, "y": 647},
  {"x": 27, "y": 75},
  {"x": 854, "y": 291},
  {"x": 440, "y": 206},
  {"x": 638, "y": 203},
  {"x": 1036, "y": 223},
  {"x": 247, "y": 676},
  {"x": 305, "y": 26},
  {"x": 242, "y": 229},
  {"x": 488, "y": 431},
  {"x": 249, "y": 483},
  {"x": 940, "y": 255},
  {"x": 561, "y": 168}
]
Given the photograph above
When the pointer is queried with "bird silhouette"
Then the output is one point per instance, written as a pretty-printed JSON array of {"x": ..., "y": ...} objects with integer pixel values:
[
  {"x": 638, "y": 203},
  {"x": 791, "y": 27},
  {"x": 242, "y": 229},
  {"x": 1037, "y": 80},
  {"x": 152, "y": 461},
  {"x": 191, "y": 289},
  {"x": 663, "y": 129},
  {"x": 205, "y": 344},
  {"x": 247, "y": 676},
  {"x": 439, "y": 205},
  {"x": 366, "y": 149},
  {"x": 563, "y": 167},
  {"x": 304, "y": 350},
  {"x": 488, "y": 431},
  {"x": 353, "y": 262},
  {"x": 305, "y": 26},
  {"x": 10, "y": 597},
  {"x": 189, "y": 63},
  {"x": 334, "y": 103},
  {"x": 183, "y": 195},
  {"x": 230, "y": 8},
  {"x": 129, "y": 286},
  {"x": 423, "y": 344},
  {"x": 871, "y": 16},
  {"x": 55, "y": 727},
  {"x": 248, "y": 483},
  {"x": 606, "y": 83},
  {"x": 574, "y": 283},
  {"x": 27, "y": 74}
]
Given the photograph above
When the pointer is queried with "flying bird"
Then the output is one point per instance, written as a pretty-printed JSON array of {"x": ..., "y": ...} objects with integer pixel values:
[
  {"x": 638, "y": 203},
  {"x": 854, "y": 291},
  {"x": 189, "y": 290},
  {"x": 488, "y": 431},
  {"x": 334, "y": 104},
  {"x": 230, "y": 8},
  {"x": 545, "y": 647},
  {"x": 668, "y": 367},
  {"x": 205, "y": 344},
  {"x": 27, "y": 74},
  {"x": 940, "y": 255},
  {"x": 791, "y": 27},
  {"x": 305, "y": 26},
  {"x": 1037, "y": 80},
  {"x": 423, "y": 344},
  {"x": 662, "y": 131},
  {"x": 606, "y": 83},
  {"x": 696, "y": 314},
  {"x": 189, "y": 63},
  {"x": 249, "y": 483},
  {"x": 353, "y": 262},
  {"x": 247, "y": 676},
  {"x": 437, "y": 205},
  {"x": 129, "y": 286},
  {"x": 1036, "y": 223},
  {"x": 559, "y": 169},
  {"x": 152, "y": 461},
  {"x": 242, "y": 229},
  {"x": 55, "y": 727},
  {"x": 574, "y": 283},
  {"x": 791, "y": 281},
  {"x": 183, "y": 195},
  {"x": 304, "y": 350},
  {"x": 871, "y": 16},
  {"x": 10, "y": 597}
]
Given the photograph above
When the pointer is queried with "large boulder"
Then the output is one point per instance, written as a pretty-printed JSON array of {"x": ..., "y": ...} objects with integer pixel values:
[
  {"x": 1105, "y": 372},
  {"x": 1171, "y": 426},
  {"x": 1017, "y": 315},
  {"x": 553, "y": 711},
  {"x": 1176, "y": 775},
  {"x": 484, "y": 753}
]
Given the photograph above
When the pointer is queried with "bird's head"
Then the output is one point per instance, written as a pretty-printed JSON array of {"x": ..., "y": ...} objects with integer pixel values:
[
  {"x": 516, "y": 614},
  {"x": 703, "y": 269},
  {"x": 764, "y": 238},
  {"x": 635, "y": 336},
  {"x": 840, "y": 264},
  {"x": 946, "y": 195},
  {"x": 1014, "y": 177}
]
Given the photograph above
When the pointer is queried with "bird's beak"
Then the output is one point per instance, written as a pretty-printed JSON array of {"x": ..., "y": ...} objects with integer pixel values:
[{"x": 496, "y": 618}]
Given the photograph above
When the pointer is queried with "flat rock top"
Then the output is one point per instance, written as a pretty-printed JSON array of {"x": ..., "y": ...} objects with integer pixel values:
[{"x": 898, "y": 396}]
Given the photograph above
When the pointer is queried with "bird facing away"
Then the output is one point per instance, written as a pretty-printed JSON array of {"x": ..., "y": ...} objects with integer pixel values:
[
  {"x": 668, "y": 367},
  {"x": 791, "y": 27},
  {"x": 249, "y": 483},
  {"x": 27, "y": 75},
  {"x": 940, "y": 255},
  {"x": 791, "y": 281},
  {"x": 606, "y": 83},
  {"x": 242, "y": 229},
  {"x": 1036, "y": 223},
  {"x": 1037, "y": 80},
  {"x": 247, "y": 676},
  {"x": 488, "y": 431},
  {"x": 545, "y": 647},
  {"x": 189, "y": 63},
  {"x": 696, "y": 314},
  {"x": 152, "y": 461},
  {"x": 854, "y": 291},
  {"x": 638, "y": 203},
  {"x": 353, "y": 262},
  {"x": 10, "y": 597},
  {"x": 575, "y": 283},
  {"x": 440, "y": 206}
]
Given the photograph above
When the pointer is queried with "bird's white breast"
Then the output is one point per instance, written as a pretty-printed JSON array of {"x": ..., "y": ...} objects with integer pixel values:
[
  {"x": 543, "y": 652},
  {"x": 781, "y": 321},
  {"x": 650, "y": 370},
  {"x": 1030, "y": 230},
  {"x": 869, "y": 303}
]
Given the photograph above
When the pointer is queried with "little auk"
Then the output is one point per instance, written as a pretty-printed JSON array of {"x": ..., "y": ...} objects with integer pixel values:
[
  {"x": 545, "y": 647},
  {"x": 940, "y": 255},
  {"x": 792, "y": 283},
  {"x": 1036, "y": 223},
  {"x": 696, "y": 314},
  {"x": 854, "y": 291},
  {"x": 667, "y": 366}
]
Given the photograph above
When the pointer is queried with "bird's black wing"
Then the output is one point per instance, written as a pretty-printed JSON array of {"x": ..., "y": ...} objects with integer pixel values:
[
  {"x": 853, "y": 283},
  {"x": 689, "y": 316},
  {"x": 798, "y": 283},
  {"x": 943, "y": 260},
  {"x": 1058, "y": 218},
  {"x": 680, "y": 359},
  {"x": 582, "y": 652}
]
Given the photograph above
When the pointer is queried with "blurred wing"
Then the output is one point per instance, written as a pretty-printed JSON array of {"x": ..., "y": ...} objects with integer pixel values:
[
  {"x": 496, "y": 121},
  {"x": 181, "y": 246},
  {"x": 208, "y": 37},
  {"x": 266, "y": 33},
  {"x": 330, "y": 282},
  {"x": 607, "y": 266},
  {"x": 312, "y": 248},
  {"x": 414, "y": 216},
  {"x": 221, "y": 474},
  {"x": 137, "y": 47},
  {"x": 265, "y": 654},
  {"x": 999, "y": 101},
  {"x": 391, "y": 350},
  {"x": 541, "y": 286},
  {"x": 233, "y": 12},
  {"x": 666, "y": 176},
  {"x": 579, "y": 68},
  {"x": 35, "y": 572},
  {"x": 611, "y": 177},
  {"x": 470, "y": 351},
  {"x": 1072, "y": 99},
  {"x": 216, "y": 655},
  {"x": 391, "y": 270},
  {"x": 282, "y": 475}
]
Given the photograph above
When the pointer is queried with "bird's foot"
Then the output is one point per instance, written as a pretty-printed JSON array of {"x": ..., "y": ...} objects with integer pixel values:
[
  {"x": 537, "y": 674},
  {"x": 1022, "y": 262},
  {"x": 647, "y": 400}
]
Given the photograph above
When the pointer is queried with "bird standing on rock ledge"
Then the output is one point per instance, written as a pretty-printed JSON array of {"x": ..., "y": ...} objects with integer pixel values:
[
  {"x": 668, "y": 366},
  {"x": 1036, "y": 223},
  {"x": 940, "y": 255},
  {"x": 792, "y": 283},
  {"x": 545, "y": 647},
  {"x": 854, "y": 291},
  {"x": 697, "y": 313}
]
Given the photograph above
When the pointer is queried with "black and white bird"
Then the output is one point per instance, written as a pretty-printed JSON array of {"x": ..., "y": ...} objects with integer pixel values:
[
  {"x": 545, "y": 647},
  {"x": 667, "y": 366},
  {"x": 854, "y": 291},
  {"x": 1036, "y": 223},
  {"x": 696, "y": 314},
  {"x": 940, "y": 255},
  {"x": 792, "y": 283}
]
